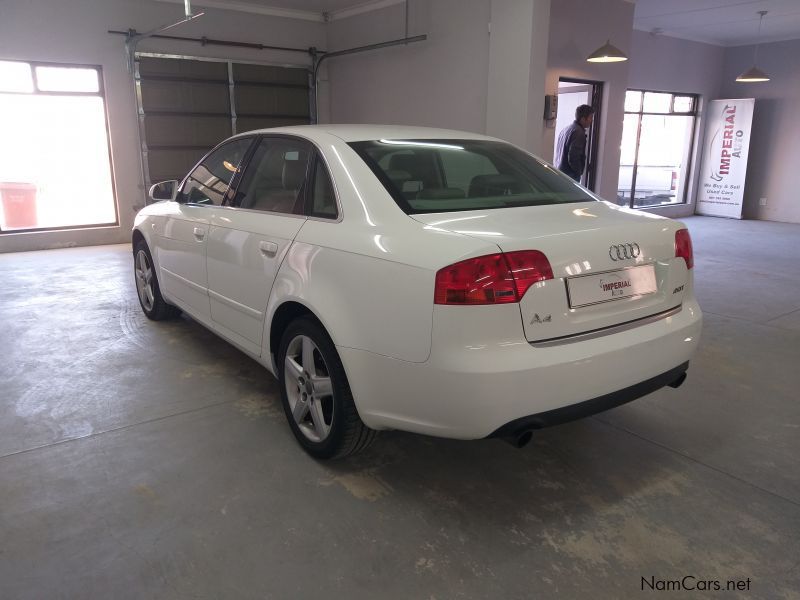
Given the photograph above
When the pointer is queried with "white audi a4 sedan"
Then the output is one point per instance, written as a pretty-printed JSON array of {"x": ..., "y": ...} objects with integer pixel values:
[{"x": 426, "y": 280}]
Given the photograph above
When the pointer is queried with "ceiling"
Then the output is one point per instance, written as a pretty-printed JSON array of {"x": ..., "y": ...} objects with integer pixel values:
[
  {"x": 312, "y": 5},
  {"x": 720, "y": 22},
  {"x": 310, "y": 10}
]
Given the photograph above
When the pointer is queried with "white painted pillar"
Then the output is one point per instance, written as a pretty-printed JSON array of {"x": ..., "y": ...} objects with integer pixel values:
[{"x": 518, "y": 44}]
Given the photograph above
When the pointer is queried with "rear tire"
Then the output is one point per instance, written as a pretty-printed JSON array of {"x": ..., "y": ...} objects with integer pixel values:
[
  {"x": 150, "y": 299},
  {"x": 316, "y": 395}
]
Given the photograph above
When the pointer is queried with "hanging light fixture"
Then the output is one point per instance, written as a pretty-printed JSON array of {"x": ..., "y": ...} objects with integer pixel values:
[
  {"x": 754, "y": 74},
  {"x": 606, "y": 54}
]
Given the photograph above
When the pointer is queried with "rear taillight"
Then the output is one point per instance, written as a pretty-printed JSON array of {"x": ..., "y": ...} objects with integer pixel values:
[
  {"x": 528, "y": 267},
  {"x": 674, "y": 183},
  {"x": 493, "y": 279},
  {"x": 683, "y": 247}
]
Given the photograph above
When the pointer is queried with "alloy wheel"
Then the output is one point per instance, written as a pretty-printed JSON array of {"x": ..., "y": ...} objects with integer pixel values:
[
  {"x": 308, "y": 388},
  {"x": 144, "y": 280}
]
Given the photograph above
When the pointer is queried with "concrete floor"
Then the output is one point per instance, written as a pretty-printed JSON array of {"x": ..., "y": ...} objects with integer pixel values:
[{"x": 144, "y": 460}]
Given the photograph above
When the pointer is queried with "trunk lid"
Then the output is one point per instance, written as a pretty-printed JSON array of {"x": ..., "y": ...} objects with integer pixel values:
[{"x": 610, "y": 265}]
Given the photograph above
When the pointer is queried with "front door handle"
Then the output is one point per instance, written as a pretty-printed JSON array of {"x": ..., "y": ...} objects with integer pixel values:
[
  {"x": 199, "y": 234},
  {"x": 268, "y": 248}
]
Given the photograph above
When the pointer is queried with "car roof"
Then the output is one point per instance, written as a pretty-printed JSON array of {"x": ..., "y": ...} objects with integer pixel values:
[{"x": 355, "y": 133}]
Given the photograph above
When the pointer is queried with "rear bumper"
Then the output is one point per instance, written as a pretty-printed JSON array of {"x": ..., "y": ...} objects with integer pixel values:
[
  {"x": 587, "y": 408},
  {"x": 483, "y": 375}
]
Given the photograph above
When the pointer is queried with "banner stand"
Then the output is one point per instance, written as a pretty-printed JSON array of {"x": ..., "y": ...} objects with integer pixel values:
[{"x": 720, "y": 190}]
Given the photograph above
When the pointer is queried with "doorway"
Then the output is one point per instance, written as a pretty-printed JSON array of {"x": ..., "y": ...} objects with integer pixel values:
[{"x": 571, "y": 94}]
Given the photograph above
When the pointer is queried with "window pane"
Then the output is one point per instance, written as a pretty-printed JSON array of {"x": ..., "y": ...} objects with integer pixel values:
[
  {"x": 15, "y": 77},
  {"x": 208, "y": 183},
  {"x": 633, "y": 101},
  {"x": 323, "y": 199},
  {"x": 67, "y": 79},
  {"x": 663, "y": 158},
  {"x": 656, "y": 103},
  {"x": 54, "y": 163},
  {"x": 626, "y": 159},
  {"x": 683, "y": 104},
  {"x": 411, "y": 170},
  {"x": 425, "y": 176},
  {"x": 630, "y": 125},
  {"x": 461, "y": 167},
  {"x": 274, "y": 178}
]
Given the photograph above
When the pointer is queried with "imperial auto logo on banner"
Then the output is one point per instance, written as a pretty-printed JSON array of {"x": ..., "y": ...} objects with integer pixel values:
[{"x": 727, "y": 141}]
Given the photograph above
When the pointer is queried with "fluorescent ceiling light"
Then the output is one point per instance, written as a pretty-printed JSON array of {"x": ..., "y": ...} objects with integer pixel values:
[{"x": 424, "y": 144}]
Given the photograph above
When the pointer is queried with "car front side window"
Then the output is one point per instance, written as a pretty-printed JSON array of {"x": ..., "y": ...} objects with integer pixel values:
[{"x": 209, "y": 181}]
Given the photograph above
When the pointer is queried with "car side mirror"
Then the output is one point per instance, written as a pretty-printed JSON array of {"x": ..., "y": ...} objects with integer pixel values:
[{"x": 166, "y": 190}]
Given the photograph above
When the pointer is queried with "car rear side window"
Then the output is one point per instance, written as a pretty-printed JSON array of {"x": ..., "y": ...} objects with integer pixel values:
[
  {"x": 323, "y": 196},
  {"x": 275, "y": 177},
  {"x": 426, "y": 176}
]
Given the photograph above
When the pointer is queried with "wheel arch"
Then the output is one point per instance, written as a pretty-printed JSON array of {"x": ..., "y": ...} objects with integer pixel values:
[
  {"x": 136, "y": 237},
  {"x": 284, "y": 314}
]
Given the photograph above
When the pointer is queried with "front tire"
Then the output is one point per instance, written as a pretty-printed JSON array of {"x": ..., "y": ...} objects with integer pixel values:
[
  {"x": 152, "y": 302},
  {"x": 316, "y": 395}
]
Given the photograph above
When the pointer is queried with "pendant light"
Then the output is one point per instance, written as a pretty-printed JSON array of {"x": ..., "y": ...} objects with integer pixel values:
[
  {"x": 606, "y": 54},
  {"x": 754, "y": 74}
]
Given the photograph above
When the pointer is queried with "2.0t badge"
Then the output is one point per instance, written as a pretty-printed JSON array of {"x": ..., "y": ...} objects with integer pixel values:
[{"x": 624, "y": 251}]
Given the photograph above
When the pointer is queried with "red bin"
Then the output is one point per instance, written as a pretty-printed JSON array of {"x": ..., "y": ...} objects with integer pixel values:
[{"x": 19, "y": 205}]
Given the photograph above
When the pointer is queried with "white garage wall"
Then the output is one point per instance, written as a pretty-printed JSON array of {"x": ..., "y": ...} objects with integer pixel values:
[
  {"x": 517, "y": 65},
  {"x": 441, "y": 82},
  {"x": 663, "y": 63},
  {"x": 75, "y": 32},
  {"x": 774, "y": 146},
  {"x": 462, "y": 77}
]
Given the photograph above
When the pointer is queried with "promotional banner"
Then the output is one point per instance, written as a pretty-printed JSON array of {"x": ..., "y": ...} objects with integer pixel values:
[{"x": 720, "y": 192}]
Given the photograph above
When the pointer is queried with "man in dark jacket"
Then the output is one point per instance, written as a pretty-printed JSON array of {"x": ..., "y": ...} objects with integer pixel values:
[{"x": 571, "y": 147}]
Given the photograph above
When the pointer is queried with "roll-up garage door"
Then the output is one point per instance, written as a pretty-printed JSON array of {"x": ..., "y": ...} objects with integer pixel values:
[{"x": 187, "y": 106}]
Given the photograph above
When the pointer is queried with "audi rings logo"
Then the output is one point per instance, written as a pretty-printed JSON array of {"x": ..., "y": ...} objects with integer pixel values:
[{"x": 624, "y": 251}]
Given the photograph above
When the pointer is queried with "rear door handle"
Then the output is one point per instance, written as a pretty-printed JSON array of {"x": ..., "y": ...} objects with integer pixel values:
[
  {"x": 268, "y": 248},
  {"x": 199, "y": 234}
]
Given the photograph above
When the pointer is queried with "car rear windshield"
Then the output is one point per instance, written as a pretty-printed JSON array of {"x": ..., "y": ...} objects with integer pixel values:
[{"x": 429, "y": 176}]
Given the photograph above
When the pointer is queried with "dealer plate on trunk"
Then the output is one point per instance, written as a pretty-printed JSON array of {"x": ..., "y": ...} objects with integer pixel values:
[{"x": 586, "y": 290}]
